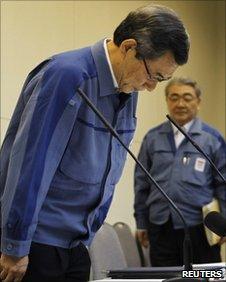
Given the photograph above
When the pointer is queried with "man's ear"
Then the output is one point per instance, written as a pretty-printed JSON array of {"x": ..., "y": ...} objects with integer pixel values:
[{"x": 128, "y": 44}]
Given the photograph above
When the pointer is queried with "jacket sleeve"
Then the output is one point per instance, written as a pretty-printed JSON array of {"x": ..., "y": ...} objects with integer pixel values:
[
  {"x": 24, "y": 191},
  {"x": 219, "y": 160},
  {"x": 142, "y": 187}
]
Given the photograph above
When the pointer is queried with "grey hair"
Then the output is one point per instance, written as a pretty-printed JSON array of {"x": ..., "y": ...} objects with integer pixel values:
[
  {"x": 156, "y": 29},
  {"x": 184, "y": 81}
]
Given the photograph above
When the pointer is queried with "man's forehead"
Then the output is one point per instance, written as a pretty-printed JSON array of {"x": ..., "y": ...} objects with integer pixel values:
[{"x": 181, "y": 89}]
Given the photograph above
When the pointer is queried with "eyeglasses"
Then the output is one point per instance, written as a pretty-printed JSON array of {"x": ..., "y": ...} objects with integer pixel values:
[
  {"x": 158, "y": 78},
  {"x": 187, "y": 97}
]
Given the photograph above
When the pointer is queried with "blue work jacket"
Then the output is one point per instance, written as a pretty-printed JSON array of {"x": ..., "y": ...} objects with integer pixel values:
[
  {"x": 59, "y": 164},
  {"x": 183, "y": 173}
]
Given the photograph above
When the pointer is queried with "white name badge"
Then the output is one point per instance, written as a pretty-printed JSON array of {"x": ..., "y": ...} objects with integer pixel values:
[{"x": 200, "y": 164}]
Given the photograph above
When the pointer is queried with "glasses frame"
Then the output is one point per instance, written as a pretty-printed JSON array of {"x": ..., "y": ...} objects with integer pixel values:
[
  {"x": 176, "y": 98},
  {"x": 152, "y": 77}
]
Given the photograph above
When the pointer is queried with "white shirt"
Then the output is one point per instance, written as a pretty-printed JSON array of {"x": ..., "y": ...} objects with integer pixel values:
[
  {"x": 109, "y": 63},
  {"x": 178, "y": 136}
]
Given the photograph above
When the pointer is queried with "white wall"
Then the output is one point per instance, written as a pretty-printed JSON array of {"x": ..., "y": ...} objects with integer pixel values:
[{"x": 33, "y": 30}]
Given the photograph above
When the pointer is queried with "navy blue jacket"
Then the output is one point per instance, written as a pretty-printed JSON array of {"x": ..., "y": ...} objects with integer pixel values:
[
  {"x": 59, "y": 164},
  {"x": 183, "y": 173}
]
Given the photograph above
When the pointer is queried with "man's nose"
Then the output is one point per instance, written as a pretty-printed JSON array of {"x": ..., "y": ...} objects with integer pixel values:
[{"x": 181, "y": 102}]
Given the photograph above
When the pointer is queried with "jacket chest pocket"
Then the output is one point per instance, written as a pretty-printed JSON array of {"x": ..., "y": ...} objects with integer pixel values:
[
  {"x": 195, "y": 169},
  {"x": 85, "y": 157}
]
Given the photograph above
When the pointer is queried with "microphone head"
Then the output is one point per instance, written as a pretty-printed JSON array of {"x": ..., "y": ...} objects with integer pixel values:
[{"x": 216, "y": 223}]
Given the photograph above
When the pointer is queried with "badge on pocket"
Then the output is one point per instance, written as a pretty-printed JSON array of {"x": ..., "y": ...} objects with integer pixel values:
[{"x": 200, "y": 164}]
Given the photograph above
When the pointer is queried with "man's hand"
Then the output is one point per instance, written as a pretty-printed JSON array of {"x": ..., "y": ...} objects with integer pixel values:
[
  {"x": 142, "y": 236},
  {"x": 12, "y": 268}
]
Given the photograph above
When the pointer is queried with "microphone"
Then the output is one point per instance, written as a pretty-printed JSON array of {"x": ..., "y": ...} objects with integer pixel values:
[
  {"x": 187, "y": 248},
  {"x": 198, "y": 148},
  {"x": 216, "y": 223}
]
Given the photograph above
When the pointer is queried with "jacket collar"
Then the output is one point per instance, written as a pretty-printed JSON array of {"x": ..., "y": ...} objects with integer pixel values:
[
  {"x": 104, "y": 74},
  {"x": 195, "y": 128}
]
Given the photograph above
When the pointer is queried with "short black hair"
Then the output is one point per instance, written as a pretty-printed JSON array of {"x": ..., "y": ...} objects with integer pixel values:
[
  {"x": 184, "y": 81},
  {"x": 156, "y": 29}
]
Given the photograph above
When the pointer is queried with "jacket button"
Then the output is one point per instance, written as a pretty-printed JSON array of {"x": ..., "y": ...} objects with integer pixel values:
[
  {"x": 9, "y": 247},
  {"x": 9, "y": 225}
]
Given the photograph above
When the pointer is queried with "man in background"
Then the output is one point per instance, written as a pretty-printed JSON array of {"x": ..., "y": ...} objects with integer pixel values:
[
  {"x": 185, "y": 176},
  {"x": 59, "y": 164}
]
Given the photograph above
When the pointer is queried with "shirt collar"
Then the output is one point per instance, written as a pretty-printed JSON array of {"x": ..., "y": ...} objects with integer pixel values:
[
  {"x": 109, "y": 64},
  {"x": 186, "y": 126},
  {"x": 194, "y": 126},
  {"x": 105, "y": 78}
]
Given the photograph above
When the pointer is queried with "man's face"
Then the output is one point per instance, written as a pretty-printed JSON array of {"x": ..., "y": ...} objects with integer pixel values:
[
  {"x": 182, "y": 102},
  {"x": 137, "y": 75}
]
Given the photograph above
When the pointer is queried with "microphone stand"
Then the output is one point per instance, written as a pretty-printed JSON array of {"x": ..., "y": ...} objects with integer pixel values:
[{"x": 187, "y": 248}]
